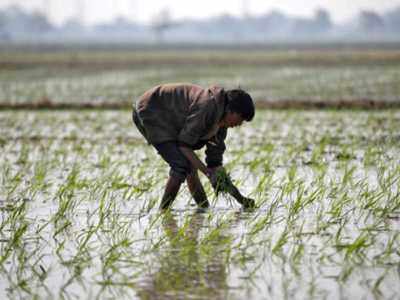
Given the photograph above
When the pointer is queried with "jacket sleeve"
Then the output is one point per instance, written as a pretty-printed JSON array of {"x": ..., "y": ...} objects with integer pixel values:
[
  {"x": 215, "y": 149},
  {"x": 197, "y": 123}
]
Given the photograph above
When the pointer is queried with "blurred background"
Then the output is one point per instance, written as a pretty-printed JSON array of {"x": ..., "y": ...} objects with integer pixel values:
[
  {"x": 228, "y": 22},
  {"x": 62, "y": 53}
]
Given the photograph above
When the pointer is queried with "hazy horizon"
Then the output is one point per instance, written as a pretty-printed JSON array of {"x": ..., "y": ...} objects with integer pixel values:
[{"x": 91, "y": 11}]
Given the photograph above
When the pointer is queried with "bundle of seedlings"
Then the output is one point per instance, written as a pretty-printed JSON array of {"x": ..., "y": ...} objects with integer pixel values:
[{"x": 223, "y": 182}]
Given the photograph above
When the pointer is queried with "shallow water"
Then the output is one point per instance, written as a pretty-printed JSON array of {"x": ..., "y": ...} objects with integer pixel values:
[{"x": 79, "y": 195}]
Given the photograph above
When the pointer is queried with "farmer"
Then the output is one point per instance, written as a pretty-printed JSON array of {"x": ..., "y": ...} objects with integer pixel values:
[{"x": 177, "y": 119}]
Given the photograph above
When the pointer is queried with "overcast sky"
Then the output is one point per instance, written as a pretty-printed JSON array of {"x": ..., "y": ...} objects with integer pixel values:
[{"x": 94, "y": 11}]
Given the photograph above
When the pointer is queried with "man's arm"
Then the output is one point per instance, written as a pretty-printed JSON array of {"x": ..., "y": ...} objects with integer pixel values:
[
  {"x": 215, "y": 149},
  {"x": 198, "y": 123},
  {"x": 214, "y": 158},
  {"x": 211, "y": 174},
  {"x": 194, "y": 160},
  {"x": 232, "y": 190}
]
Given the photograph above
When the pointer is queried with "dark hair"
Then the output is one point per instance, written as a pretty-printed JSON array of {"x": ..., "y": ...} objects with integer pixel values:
[{"x": 240, "y": 102}]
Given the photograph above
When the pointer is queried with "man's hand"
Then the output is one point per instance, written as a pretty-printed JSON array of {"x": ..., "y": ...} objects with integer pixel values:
[
  {"x": 221, "y": 181},
  {"x": 248, "y": 203},
  {"x": 212, "y": 175}
]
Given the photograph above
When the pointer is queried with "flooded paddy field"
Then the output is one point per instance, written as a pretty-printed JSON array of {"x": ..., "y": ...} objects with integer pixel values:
[
  {"x": 80, "y": 189},
  {"x": 96, "y": 76}
]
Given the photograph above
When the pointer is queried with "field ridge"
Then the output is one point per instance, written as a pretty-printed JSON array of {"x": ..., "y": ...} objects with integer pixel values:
[{"x": 364, "y": 104}]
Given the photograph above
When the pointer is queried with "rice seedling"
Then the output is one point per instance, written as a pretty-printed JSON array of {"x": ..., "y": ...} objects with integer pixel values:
[
  {"x": 223, "y": 182},
  {"x": 82, "y": 220}
]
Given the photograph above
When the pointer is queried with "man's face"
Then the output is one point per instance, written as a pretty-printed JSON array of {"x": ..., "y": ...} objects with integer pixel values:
[{"x": 233, "y": 119}]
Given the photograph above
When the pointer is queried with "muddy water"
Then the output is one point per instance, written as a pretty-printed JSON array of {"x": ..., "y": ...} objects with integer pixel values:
[{"x": 80, "y": 190}]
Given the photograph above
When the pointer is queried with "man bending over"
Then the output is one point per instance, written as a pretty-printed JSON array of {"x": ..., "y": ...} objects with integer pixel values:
[{"x": 177, "y": 119}]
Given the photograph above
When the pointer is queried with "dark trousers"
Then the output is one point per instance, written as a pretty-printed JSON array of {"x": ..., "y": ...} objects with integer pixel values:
[{"x": 170, "y": 152}]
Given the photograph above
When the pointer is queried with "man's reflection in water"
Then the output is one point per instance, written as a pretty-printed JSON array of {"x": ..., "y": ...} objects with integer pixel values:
[{"x": 188, "y": 268}]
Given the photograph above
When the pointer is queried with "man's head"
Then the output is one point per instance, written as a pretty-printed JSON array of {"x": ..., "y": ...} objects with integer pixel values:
[{"x": 239, "y": 108}]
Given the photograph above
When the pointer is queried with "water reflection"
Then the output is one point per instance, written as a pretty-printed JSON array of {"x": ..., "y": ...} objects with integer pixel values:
[{"x": 190, "y": 266}]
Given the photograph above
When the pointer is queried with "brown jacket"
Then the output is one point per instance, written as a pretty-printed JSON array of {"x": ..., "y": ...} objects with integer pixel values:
[{"x": 186, "y": 113}]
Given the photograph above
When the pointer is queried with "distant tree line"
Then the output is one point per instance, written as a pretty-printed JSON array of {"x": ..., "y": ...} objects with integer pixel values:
[
  {"x": 19, "y": 25},
  {"x": 15, "y": 22}
]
